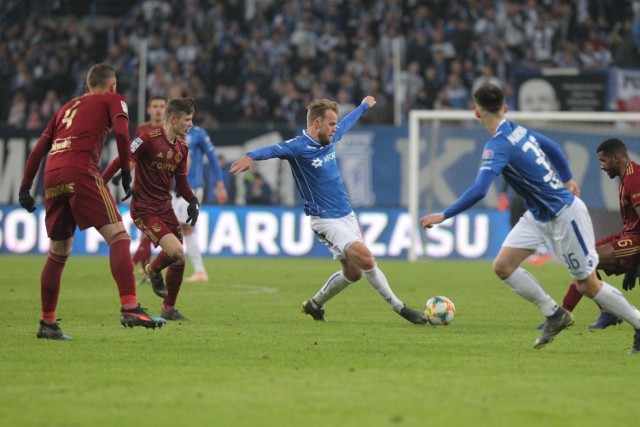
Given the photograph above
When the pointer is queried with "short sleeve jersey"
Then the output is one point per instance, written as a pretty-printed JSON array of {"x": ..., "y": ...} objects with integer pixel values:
[
  {"x": 157, "y": 161},
  {"x": 79, "y": 129},
  {"x": 629, "y": 190},
  {"x": 515, "y": 152}
]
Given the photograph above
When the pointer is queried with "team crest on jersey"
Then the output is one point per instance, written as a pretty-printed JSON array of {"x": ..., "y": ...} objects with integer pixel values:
[
  {"x": 135, "y": 144},
  {"x": 487, "y": 155},
  {"x": 170, "y": 154},
  {"x": 178, "y": 157}
]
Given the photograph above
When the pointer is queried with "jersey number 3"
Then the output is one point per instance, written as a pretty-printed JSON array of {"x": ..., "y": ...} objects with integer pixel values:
[{"x": 550, "y": 176}]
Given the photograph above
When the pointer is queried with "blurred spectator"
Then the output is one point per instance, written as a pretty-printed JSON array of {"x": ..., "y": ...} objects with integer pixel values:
[
  {"x": 294, "y": 51},
  {"x": 34, "y": 120},
  {"x": 456, "y": 94},
  {"x": 18, "y": 110},
  {"x": 566, "y": 57},
  {"x": 540, "y": 38},
  {"x": 50, "y": 105},
  {"x": 486, "y": 76},
  {"x": 257, "y": 190}
]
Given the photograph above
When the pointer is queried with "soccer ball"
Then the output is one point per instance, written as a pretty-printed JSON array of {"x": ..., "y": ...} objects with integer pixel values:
[{"x": 439, "y": 310}]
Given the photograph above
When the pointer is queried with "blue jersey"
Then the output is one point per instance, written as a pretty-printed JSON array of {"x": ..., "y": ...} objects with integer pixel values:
[
  {"x": 519, "y": 154},
  {"x": 200, "y": 144},
  {"x": 315, "y": 169}
]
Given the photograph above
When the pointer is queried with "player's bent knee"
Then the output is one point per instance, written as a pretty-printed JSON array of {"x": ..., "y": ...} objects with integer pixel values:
[
  {"x": 353, "y": 276},
  {"x": 589, "y": 287},
  {"x": 176, "y": 255},
  {"x": 502, "y": 270}
]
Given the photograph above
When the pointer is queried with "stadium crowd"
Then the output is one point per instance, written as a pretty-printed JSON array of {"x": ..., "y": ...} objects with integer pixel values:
[{"x": 262, "y": 61}]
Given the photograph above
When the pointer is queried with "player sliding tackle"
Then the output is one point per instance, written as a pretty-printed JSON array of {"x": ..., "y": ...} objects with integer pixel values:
[
  {"x": 312, "y": 157},
  {"x": 556, "y": 217}
]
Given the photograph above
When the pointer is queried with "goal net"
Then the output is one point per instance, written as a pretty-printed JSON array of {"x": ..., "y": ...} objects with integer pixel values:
[{"x": 445, "y": 151}]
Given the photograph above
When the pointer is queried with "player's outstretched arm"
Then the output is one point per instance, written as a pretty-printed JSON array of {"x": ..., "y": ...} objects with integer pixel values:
[
  {"x": 370, "y": 100},
  {"x": 241, "y": 165}
]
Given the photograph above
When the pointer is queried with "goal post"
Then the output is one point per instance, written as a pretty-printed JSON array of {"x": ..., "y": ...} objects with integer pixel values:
[{"x": 437, "y": 138}]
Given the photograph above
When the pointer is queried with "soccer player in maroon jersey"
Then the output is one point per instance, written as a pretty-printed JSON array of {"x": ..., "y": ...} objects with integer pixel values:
[
  {"x": 76, "y": 195},
  {"x": 155, "y": 110},
  {"x": 160, "y": 156},
  {"x": 619, "y": 253}
]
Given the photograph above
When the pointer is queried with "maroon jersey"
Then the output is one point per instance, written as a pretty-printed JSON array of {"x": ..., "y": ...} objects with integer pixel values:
[
  {"x": 629, "y": 198},
  {"x": 158, "y": 161},
  {"x": 79, "y": 129},
  {"x": 145, "y": 127}
]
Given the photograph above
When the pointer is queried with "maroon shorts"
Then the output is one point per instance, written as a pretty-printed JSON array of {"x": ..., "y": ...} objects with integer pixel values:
[
  {"x": 156, "y": 225},
  {"x": 626, "y": 249},
  {"x": 76, "y": 197}
]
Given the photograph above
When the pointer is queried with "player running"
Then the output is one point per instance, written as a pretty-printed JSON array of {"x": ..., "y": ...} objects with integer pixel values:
[
  {"x": 312, "y": 157},
  {"x": 75, "y": 194},
  {"x": 160, "y": 157},
  {"x": 556, "y": 217}
]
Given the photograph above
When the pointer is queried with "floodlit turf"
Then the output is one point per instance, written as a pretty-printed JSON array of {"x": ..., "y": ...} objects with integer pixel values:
[{"x": 248, "y": 357}]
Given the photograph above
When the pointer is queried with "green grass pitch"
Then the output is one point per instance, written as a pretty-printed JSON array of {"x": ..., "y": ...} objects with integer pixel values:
[{"x": 248, "y": 357}]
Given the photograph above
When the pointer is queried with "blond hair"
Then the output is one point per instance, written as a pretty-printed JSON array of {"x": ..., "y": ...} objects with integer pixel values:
[{"x": 318, "y": 108}]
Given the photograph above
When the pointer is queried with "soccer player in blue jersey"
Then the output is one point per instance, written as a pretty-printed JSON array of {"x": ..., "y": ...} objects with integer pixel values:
[
  {"x": 556, "y": 217},
  {"x": 312, "y": 157},
  {"x": 199, "y": 145}
]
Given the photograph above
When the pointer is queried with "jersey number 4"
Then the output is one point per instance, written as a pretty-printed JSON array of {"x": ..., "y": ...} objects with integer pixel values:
[{"x": 70, "y": 114}]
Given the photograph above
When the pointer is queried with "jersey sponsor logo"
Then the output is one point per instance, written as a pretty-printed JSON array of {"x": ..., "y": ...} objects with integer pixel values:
[
  {"x": 124, "y": 107},
  {"x": 62, "y": 144},
  {"x": 316, "y": 163},
  {"x": 135, "y": 144},
  {"x": 156, "y": 228},
  {"x": 59, "y": 190},
  {"x": 487, "y": 155},
  {"x": 163, "y": 166},
  {"x": 330, "y": 157}
]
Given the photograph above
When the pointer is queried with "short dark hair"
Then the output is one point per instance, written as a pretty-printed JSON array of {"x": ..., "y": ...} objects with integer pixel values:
[
  {"x": 156, "y": 98},
  {"x": 180, "y": 105},
  {"x": 612, "y": 146},
  {"x": 100, "y": 75},
  {"x": 489, "y": 97}
]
